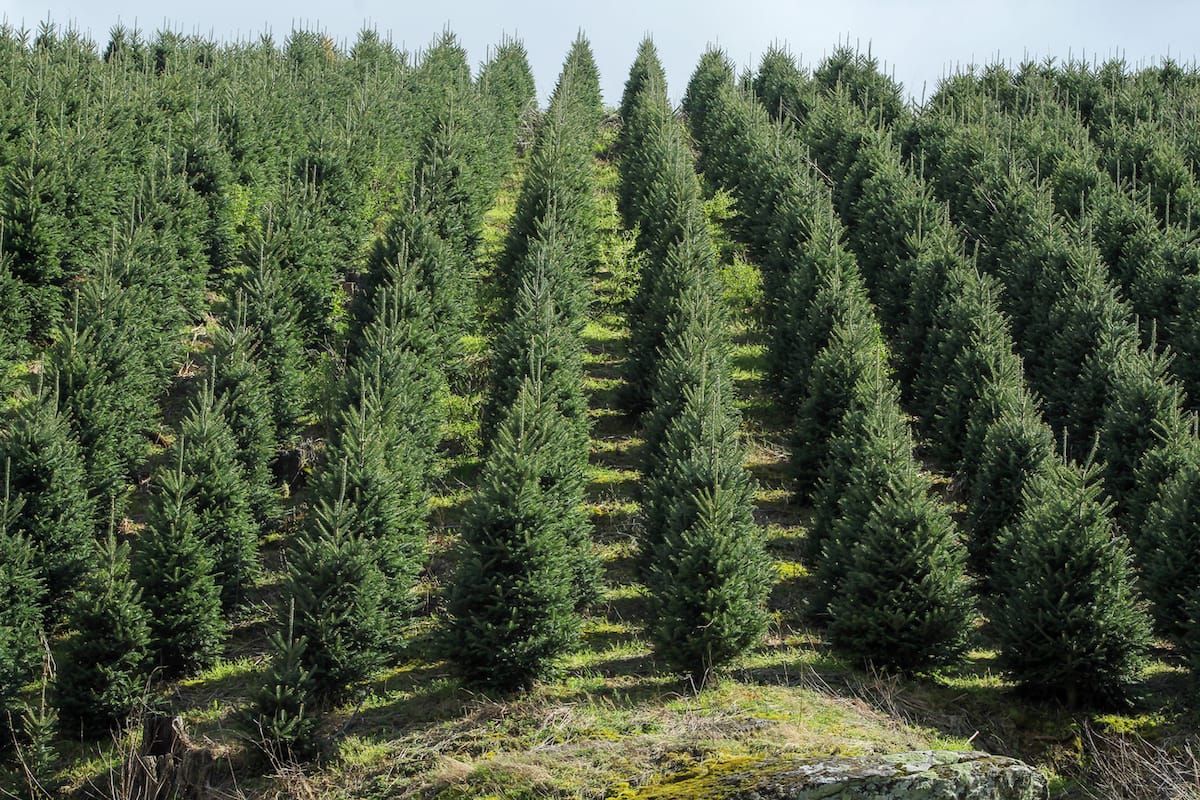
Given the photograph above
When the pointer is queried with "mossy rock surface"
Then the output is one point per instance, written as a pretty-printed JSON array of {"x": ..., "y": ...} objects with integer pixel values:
[{"x": 922, "y": 775}]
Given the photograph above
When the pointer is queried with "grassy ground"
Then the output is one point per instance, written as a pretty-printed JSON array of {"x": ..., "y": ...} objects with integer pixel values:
[{"x": 614, "y": 721}]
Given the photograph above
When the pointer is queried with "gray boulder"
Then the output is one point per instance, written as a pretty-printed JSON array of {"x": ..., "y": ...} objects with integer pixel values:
[{"x": 923, "y": 775}]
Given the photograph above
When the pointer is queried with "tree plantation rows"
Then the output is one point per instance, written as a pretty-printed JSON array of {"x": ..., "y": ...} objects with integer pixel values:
[{"x": 262, "y": 303}]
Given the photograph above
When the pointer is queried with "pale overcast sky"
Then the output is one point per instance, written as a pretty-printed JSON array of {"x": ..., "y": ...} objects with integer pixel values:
[{"x": 920, "y": 40}]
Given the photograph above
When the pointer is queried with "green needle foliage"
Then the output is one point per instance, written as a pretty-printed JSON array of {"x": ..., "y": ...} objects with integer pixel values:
[
  {"x": 221, "y": 494},
  {"x": 174, "y": 569},
  {"x": 512, "y": 602},
  {"x": 1067, "y": 619},
  {"x": 21, "y": 595},
  {"x": 903, "y": 602},
  {"x": 103, "y": 667},
  {"x": 1172, "y": 562},
  {"x": 336, "y": 592},
  {"x": 49, "y": 487},
  {"x": 707, "y": 570},
  {"x": 283, "y": 719}
]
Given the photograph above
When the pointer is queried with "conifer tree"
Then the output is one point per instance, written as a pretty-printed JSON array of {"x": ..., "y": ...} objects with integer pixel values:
[
  {"x": 646, "y": 79},
  {"x": 284, "y": 717},
  {"x": 508, "y": 93},
  {"x": 1014, "y": 446},
  {"x": 781, "y": 87},
  {"x": 221, "y": 494},
  {"x": 511, "y": 603},
  {"x": 267, "y": 307},
  {"x": 383, "y": 506},
  {"x": 337, "y": 594},
  {"x": 21, "y": 593},
  {"x": 240, "y": 384},
  {"x": 103, "y": 666},
  {"x": 174, "y": 570},
  {"x": 903, "y": 602},
  {"x": 869, "y": 447},
  {"x": 853, "y": 350},
  {"x": 1172, "y": 551},
  {"x": 707, "y": 573},
  {"x": 49, "y": 488},
  {"x": 1067, "y": 619}
]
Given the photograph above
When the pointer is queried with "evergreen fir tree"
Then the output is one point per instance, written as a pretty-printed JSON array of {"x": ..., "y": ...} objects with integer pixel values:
[
  {"x": 870, "y": 446},
  {"x": 284, "y": 717},
  {"x": 337, "y": 597},
  {"x": 853, "y": 350},
  {"x": 382, "y": 506},
  {"x": 1015, "y": 446},
  {"x": 1142, "y": 396},
  {"x": 240, "y": 385},
  {"x": 903, "y": 602},
  {"x": 1067, "y": 619},
  {"x": 511, "y": 603},
  {"x": 267, "y": 307},
  {"x": 49, "y": 487},
  {"x": 646, "y": 77},
  {"x": 707, "y": 569},
  {"x": 174, "y": 571},
  {"x": 21, "y": 595},
  {"x": 1172, "y": 551},
  {"x": 103, "y": 666},
  {"x": 221, "y": 495}
]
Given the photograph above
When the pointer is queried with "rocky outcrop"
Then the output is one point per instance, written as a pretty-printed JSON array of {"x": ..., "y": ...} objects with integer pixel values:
[{"x": 923, "y": 775}]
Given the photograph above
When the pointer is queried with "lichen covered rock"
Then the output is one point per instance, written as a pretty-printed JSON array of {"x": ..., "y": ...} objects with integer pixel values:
[{"x": 922, "y": 775}]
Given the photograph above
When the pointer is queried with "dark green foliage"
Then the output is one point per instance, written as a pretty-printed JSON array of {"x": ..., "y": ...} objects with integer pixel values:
[
  {"x": 103, "y": 667},
  {"x": 508, "y": 95},
  {"x": 695, "y": 353},
  {"x": 869, "y": 446},
  {"x": 21, "y": 595},
  {"x": 1067, "y": 620},
  {"x": 780, "y": 86},
  {"x": 511, "y": 603},
  {"x": 707, "y": 571},
  {"x": 968, "y": 353},
  {"x": 1142, "y": 398},
  {"x": 646, "y": 77},
  {"x": 49, "y": 487},
  {"x": 337, "y": 595},
  {"x": 580, "y": 81},
  {"x": 380, "y": 498},
  {"x": 175, "y": 572},
  {"x": 110, "y": 364},
  {"x": 543, "y": 332},
  {"x": 678, "y": 249},
  {"x": 413, "y": 247},
  {"x": 283, "y": 718},
  {"x": 221, "y": 495},
  {"x": 1013, "y": 447},
  {"x": 859, "y": 76},
  {"x": 240, "y": 385},
  {"x": 854, "y": 349},
  {"x": 903, "y": 602},
  {"x": 266, "y": 306},
  {"x": 1171, "y": 542},
  {"x": 33, "y": 238}
]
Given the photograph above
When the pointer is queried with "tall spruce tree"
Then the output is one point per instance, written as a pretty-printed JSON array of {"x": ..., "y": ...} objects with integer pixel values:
[
  {"x": 1172, "y": 552},
  {"x": 511, "y": 603},
  {"x": 174, "y": 570},
  {"x": 1067, "y": 618},
  {"x": 1014, "y": 446},
  {"x": 707, "y": 570},
  {"x": 21, "y": 594},
  {"x": 103, "y": 666},
  {"x": 240, "y": 384},
  {"x": 336, "y": 593},
  {"x": 903, "y": 602},
  {"x": 221, "y": 494},
  {"x": 46, "y": 477}
]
